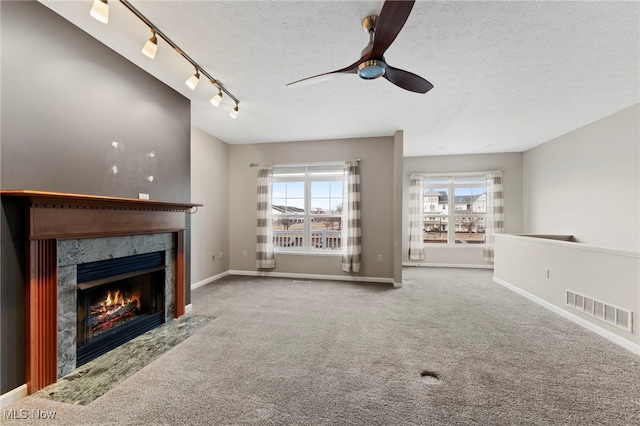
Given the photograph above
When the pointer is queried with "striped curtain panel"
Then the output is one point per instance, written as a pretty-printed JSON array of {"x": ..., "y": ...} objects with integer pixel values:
[
  {"x": 416, "y": 218},
  {"x": 351, "y": 228},
  {"x": 495, "y": 213},
  {"x": 265, "y": 258}
]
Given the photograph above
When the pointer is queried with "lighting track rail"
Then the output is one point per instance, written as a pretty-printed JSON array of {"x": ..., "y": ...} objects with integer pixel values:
[{"x": 100, "y": 11}]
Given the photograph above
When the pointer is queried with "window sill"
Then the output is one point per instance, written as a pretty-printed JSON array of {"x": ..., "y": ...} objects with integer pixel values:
[
  {"x": 308, "y": 253},
  {"x": 455, "y": 246}
]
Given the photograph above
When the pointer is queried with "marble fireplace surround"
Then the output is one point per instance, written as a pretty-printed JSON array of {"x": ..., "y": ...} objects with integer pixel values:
[
  {"x": 59, "y": 224},
  {"x": 72, "y": 253}
]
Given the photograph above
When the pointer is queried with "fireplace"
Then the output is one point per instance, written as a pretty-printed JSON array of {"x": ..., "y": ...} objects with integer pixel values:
[
  {"x": 91, "y": 271},
  {"x": 65, "y": 231},
  {"x": 117, "y": 300}
]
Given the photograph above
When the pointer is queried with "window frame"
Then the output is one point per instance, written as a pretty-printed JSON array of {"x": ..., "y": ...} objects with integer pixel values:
[
  {"x": 333, "y": 173},
  {"x": 451, "y": 182}
]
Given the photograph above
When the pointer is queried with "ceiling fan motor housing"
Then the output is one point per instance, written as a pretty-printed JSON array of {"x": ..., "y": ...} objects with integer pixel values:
[{"x": 371, "y": 69}]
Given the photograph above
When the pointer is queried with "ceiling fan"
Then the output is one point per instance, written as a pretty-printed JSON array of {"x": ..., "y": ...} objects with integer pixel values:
[{"x": 382, "y": 30}]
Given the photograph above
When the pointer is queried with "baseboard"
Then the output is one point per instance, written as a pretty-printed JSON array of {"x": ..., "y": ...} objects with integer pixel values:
[
  {"x": 188, "y": 309},
  {"x": 314, "y": 276},
  {"x": 12, "y": 396},
  {"x": 633, "y": 347},
  {"x": 209, "y": 280},
  {"x": 449, "y": 265}
]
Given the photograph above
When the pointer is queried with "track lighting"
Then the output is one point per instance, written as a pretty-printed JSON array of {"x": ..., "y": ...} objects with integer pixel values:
[
  {"x": 100, "y": 10},
  {"x": 215, "y": 101},
  {"x": 234, "y": 111},
  {"x": 151, "y": 46},
  {"x": 192, "y": 81}
]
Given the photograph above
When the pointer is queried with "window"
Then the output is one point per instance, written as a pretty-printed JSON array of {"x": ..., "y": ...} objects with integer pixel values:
[
  {"x": 307, "y": 207},
  {"x": 455, "y": 209}
]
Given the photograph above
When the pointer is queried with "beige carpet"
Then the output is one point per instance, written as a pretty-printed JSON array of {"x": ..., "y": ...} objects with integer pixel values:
[{"x": 285, "y": 351}]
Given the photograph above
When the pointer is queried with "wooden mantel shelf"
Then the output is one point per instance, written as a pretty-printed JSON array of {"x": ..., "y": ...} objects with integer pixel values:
[
  {"x": 64, "y": 216},
  {"x": 95, "y": 201},
  {"x": 51, "y": 216}
]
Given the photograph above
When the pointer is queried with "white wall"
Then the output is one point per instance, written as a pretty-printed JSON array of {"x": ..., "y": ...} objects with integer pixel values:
[
  {"x": 587, "y": 183},
  {"x": 607, "y": 275},
  {"x": 210, "y": 225},
  {"x": 510, "y": 163}
]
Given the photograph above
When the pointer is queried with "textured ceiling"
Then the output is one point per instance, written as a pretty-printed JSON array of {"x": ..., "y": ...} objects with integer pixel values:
[{"x": 507, "y": 75}]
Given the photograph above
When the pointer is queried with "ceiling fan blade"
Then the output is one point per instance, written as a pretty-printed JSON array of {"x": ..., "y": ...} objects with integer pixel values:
[
  {"x": 407, "y": 80},
  {"x": 351, "y": 69},
  {"x": 312, "y": 80},
  {"x": 392, "y": 18}
]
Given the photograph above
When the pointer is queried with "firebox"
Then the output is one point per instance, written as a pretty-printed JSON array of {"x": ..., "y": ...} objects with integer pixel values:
[{"x": 117, "y": 300}]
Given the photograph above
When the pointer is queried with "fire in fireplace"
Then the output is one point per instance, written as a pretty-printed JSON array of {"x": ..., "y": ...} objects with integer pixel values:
[
  {"x": 115, "y": 309},
  {"x": 118, "y": 299}
]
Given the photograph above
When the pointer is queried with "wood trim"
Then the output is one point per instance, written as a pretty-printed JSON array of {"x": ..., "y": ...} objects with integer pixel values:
[
  {"x": 42, "y": 314},
  {"x": 69, "y": 216},
  {"x": 60, "y": 199},
  {"x": 73, "y": 223}
]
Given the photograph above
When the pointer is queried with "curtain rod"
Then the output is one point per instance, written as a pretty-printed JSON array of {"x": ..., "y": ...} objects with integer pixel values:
[
  {"x": 302, "y": 164},
  {"x": 448, "y": 174}
]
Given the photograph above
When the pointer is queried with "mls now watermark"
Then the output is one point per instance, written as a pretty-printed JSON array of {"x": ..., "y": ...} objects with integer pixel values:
[{"x": 23, "y": 414}]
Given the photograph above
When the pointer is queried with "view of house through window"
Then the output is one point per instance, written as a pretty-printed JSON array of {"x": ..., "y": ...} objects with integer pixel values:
[
  {"x": 455, "y": 209},
  {"x": 307, "y": 207}
]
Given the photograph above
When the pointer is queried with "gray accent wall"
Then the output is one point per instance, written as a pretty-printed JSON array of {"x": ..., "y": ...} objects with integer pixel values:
[
  {"x": 65, "y": 98},
  {"x": 587, "y": 183},
  {"x": 12, "y": 296}
]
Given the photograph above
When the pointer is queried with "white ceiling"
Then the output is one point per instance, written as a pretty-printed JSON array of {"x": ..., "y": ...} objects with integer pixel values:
[{"x": 508, "y": 75}]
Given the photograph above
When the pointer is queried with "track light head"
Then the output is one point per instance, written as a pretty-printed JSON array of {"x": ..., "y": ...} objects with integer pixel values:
[
  {"x": 151, "y": 46},
  {"x": 234, "y": 112},
  {"x": 215, "y": 101},
  {"x": 100, "y": 10},
  {"x": 192, "y": 81}
]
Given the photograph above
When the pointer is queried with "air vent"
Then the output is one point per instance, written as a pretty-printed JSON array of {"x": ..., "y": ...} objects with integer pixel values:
[{"x": 613, "y": 315}]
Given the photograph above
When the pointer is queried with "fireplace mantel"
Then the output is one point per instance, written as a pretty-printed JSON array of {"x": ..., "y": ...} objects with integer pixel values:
[
  {"x": 60, "y": 215},
  {"x": 53, "y": 216},
  {"x": 65, "y": 198}
]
